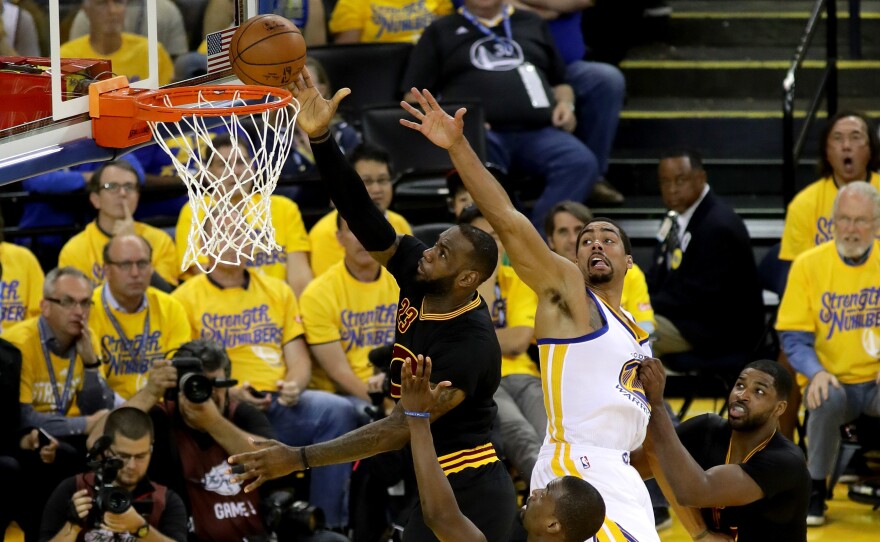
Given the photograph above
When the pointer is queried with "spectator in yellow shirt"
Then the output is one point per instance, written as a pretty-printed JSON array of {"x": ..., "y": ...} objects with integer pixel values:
[
  {"x": 290, "y": 263},
  {"x": 851, "y": 152},
  {"x": 374, "y": 166},
  {"x": 347, "y": 312},
  {"x": 21, "y": 283},
  {"x": 829, "y": 323},
  {"x": 363, "y": 21},
  {"x": 256, "y": 318},
  {"x": 128, "y": 53},
  {"x": 114, "y": 190},
  {"x": 136, "y": 325}
]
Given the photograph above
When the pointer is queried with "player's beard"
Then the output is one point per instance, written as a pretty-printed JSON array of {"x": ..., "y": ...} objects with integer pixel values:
[
  {"x": 601, "y": 279},
  {"x": 439, "y": 286},
  {"x": 750, "y": 422}
]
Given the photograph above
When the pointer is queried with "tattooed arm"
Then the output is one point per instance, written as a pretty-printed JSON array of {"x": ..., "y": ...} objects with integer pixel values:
[{"x": 273, "y": 459}]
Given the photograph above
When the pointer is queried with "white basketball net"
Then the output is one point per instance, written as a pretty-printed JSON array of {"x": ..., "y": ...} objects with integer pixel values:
[{"x": 230, "y": 201}]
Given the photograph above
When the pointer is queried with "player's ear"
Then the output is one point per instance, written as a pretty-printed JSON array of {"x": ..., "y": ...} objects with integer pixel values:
[
  {"x": 469, "y": 278},
  {"x": 553, "y": 525}
]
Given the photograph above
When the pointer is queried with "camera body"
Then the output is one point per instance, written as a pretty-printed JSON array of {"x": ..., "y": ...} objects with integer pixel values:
[
  {"x": 289, "y": 518},
  {"x": 192, "y": 382},
  {"x": 108, "y": 497}
]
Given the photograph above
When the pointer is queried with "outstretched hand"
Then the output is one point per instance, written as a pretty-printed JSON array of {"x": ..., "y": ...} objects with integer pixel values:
[
  {"x": 434, "y": 123},
  {"x": 416, "y": 394},
  {"x": 316, "y": 112},
  {"x": 270, "y": 460}
]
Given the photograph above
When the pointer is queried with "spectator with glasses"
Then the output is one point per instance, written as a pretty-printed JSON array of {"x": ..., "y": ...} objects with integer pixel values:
[
  {"x": 62, "y": 390},
  {"x": 135, "y": 324},
  {"x": 114, "y": 192},
  {"x": 156, "y": 513},
  {"x": 374, "y": 166}
]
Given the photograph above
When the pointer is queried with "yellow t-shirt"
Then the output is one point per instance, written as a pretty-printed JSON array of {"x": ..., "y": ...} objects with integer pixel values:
[
  {"x": 169, "y": 329},
  {"x": 387, "y": 20},
  {"x": 636, "y": 300},
  {"x": 21, "y": 285},
  {"x": 326, "y": 249},
  {"x": 85, "y": 251},
  {"x": 36, "y": 386},
  {"x": 514, "y": 306},
  {"x": 808, "y": 218},
  {"x": 290, "y": 233},
  {"x": 360, "y": 315},
  {"x": 131, "y": 60},
  {"x": 840, "y": 304},
  {"x": 252, "y": 324}
]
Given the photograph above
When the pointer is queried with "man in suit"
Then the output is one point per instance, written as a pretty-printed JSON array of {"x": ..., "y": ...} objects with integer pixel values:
[{"x": 703, "y": 280}]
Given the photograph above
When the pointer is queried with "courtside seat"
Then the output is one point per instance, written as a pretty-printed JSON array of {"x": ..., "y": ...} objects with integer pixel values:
[
  {"x": 694, "y": 375},
  {"x": 420, "y": 188},
  {"x": 372, "y": 71}
]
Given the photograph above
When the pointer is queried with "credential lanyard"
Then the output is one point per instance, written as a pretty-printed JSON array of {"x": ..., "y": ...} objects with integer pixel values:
[
  {"x": 62, "y": 400},
  {"x": 506, "y": 46},
  {"x": 126, "y": 343}
]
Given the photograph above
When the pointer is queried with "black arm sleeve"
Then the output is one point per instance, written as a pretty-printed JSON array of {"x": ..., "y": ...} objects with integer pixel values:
[
  {"x": 156, "y": 281},
  {"x": 350, "y": 196}
]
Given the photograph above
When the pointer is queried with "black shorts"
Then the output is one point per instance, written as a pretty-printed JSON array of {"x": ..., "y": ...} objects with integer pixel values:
[{"x": 485, "y": 495}]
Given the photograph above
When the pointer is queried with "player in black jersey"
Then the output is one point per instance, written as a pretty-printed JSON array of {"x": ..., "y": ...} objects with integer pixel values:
[
  {"x": 740, "y": 477},
  {"x": 441, "y": 316}
]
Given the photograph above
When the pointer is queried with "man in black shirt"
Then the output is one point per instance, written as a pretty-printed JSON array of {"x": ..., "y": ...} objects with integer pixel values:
[
  {"x": 747, "y": 479},
  {"x": 155, "y": 514},
  {"x": 440, "y": 316}
]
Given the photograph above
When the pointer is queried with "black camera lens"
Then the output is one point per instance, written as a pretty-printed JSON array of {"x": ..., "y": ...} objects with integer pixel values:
[
  {"x": 196, "y": 387},
  {"x": 113, "y": 499}
]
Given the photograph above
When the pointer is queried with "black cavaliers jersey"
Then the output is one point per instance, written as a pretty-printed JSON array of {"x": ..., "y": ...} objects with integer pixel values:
[{"x": 463, "y": 349}]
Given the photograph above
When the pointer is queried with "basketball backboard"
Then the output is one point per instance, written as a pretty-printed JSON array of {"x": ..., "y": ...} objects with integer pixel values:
[{"x": 46, "y": 126}]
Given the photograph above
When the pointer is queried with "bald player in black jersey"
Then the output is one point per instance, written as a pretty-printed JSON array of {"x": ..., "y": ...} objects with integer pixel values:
[{"x": 441, "y": 316}]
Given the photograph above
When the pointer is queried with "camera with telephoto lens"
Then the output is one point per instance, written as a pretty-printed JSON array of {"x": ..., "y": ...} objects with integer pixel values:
[
  {"x": 289, "y": 518},
  {"x": 191, "y": 381},
  {"x": 108, "y": 497}
]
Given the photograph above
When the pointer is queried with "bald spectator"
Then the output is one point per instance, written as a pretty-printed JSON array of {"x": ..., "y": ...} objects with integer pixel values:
[{"x": 828, "y": 322}]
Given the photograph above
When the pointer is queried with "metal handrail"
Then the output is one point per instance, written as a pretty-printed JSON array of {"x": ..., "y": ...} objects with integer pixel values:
[{"x": 791, "y": 146}]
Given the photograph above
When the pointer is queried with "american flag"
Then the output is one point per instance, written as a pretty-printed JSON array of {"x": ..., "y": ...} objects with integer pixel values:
[{"x": 218, "y": 49}]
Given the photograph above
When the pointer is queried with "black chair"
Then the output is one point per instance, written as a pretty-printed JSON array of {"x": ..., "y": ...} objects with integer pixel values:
[
  {"x": 429, "y": 233},
  {"x": 372, "y": 71},
  {"x": 421, "y": 165}
]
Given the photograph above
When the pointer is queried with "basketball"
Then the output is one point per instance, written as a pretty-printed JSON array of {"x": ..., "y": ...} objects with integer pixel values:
[{"x": 267, "y": 50}]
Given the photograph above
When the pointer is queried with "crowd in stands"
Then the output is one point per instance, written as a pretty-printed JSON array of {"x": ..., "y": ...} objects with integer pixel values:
[{"x": 295, "y": 344}]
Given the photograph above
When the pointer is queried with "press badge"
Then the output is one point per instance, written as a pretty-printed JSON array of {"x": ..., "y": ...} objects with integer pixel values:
[{"x": 534, "y": 87}]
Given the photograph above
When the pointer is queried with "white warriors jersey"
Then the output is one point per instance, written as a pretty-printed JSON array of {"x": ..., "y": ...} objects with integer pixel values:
[{"x": 591, "y": 388}]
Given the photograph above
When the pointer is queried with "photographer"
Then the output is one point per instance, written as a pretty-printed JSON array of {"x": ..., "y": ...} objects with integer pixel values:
[
  {"x": 193, "y": 440},
  {"x": 116, "y": 501}
]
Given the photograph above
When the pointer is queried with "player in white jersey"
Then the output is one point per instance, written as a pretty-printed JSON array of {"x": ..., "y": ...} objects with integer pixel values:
[{"x": 590, "y": 351}]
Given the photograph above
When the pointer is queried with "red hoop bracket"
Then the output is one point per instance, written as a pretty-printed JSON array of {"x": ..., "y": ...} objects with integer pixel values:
[{"x": 120, "y": 113}]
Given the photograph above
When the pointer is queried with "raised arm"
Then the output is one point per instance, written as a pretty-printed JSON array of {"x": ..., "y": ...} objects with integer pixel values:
[
  {"x": 534, "y": 262},
  {"x": 346, "y": 189},
  {"x": 274, "y": 459},
  {"x": 724, "y": 485},
  {"x": 439, "y": 507}
]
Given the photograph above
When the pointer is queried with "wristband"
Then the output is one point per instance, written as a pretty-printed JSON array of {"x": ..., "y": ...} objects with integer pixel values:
[
  {"x": 322, "y": 138},
  {"x": 417, "y": 414},
  {"x": 702, "y": 535},
  {"x": 303, "y": 458}
]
